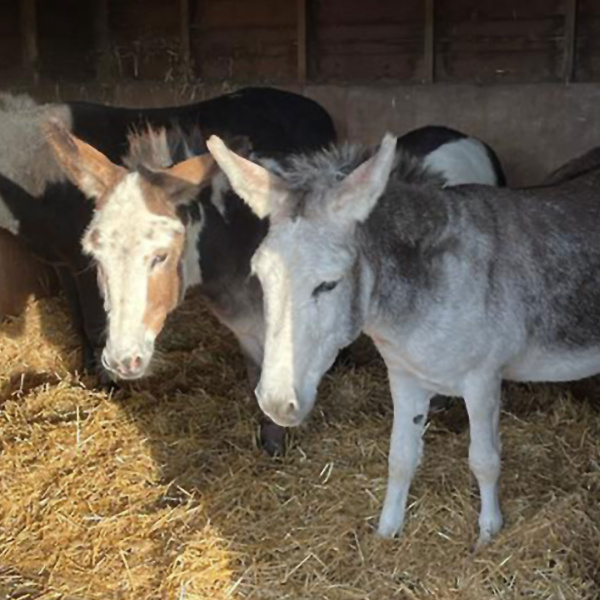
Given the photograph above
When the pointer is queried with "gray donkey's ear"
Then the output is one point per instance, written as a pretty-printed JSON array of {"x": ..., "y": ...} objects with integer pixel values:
[
  {"x": 258, "y": 187},
  {"x": 356, "y": 195}
]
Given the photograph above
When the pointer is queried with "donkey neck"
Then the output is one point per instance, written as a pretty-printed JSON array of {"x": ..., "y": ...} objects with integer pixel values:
[
  {"x": 223, "y": 234},
  {"x": 401, "y": 245}
]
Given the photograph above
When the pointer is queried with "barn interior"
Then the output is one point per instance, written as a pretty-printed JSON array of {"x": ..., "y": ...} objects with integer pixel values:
[{"x": 159, "y": 489}]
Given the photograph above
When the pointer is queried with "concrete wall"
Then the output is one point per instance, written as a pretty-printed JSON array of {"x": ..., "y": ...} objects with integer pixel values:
[{"x": 533, "y": 127}]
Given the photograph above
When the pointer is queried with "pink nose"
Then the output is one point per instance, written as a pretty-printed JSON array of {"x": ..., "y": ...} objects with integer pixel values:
[{"x": 129, "y": 367}]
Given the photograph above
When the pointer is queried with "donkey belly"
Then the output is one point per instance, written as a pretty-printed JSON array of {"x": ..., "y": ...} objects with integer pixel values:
[{"x": 553, "y": 365}]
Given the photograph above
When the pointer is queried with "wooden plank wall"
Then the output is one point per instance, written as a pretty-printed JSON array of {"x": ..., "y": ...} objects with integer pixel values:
[
  {"x": 245, "y": 40},
  {"x": 587, "y": 55},
  {"x": 320, "y": 41},
  {"x": 10, "y": 39}
]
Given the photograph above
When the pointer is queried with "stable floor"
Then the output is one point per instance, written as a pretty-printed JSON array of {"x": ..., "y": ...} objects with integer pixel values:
[{"x": 160, "y": 491}]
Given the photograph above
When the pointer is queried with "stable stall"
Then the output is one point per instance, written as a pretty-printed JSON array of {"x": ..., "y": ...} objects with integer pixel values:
[{"x": 159, "y": 489}]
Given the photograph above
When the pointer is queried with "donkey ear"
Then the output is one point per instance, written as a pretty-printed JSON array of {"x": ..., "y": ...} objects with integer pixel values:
[
  {"x": 355, "y": 197},
  {"x": 195, "y": 170},
  {"x": 86, "y": 167},
  {"x": 176, "y": 187},
  {"x": 259, "y": 188}
]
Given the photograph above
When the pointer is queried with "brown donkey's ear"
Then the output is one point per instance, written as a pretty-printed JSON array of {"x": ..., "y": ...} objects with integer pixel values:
[
  {"x": 182, "y": 182},
  {"x": 195, "y": 170},
  {"x": 92, "y": 172}
]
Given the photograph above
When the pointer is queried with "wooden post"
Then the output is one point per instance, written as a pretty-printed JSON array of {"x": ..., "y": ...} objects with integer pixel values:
[
  {"x": 102, "y": 41},
  {"x": 29, "y": 42},
  {"x": 429, "y": 61},
  {"x": 184, "y": 35},
  {"x": 570, "y": 41},
  {"x": 301, "y": 41}
]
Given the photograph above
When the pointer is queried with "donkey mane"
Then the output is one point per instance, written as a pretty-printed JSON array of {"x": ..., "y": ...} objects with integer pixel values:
[
  {"x": 159, "y": 148},
  {"x": 318, "y": 172}
]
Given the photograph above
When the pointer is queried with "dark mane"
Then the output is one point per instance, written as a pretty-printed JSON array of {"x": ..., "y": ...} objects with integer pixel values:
[
  {"x": 410, "y": 168},
  {"x": 317, "y": 173}
]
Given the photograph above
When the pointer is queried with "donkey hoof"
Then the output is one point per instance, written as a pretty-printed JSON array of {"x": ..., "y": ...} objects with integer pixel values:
[
  {"x": 389, "y": 529},
  {"x": 483, "y": 540},
  {"x": 487, "y": 534},
  {"x": 272, "y": 439}
]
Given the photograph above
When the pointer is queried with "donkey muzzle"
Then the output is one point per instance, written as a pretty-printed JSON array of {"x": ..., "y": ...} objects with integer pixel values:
[
  {"x": 281, "y": 409},
  {"x": 130, "y": 365}
]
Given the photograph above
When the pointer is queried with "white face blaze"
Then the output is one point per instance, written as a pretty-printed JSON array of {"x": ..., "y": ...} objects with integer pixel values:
[
  {"x": 131, "y": 245},
  {"x": 308, "y": 286},
  {"x": 145, "y": 255},
  {"x": 307, "y": 276}
]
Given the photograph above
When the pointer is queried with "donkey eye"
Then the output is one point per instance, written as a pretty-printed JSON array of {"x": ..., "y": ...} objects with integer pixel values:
[
  {"x": 326, "y": 286},
  {"x": 158, "y": 260}
]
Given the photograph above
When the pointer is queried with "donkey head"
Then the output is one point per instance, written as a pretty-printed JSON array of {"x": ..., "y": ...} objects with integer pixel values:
[
  {"x": 137, "y": 240},
  {"x": 308, "y": 264}
]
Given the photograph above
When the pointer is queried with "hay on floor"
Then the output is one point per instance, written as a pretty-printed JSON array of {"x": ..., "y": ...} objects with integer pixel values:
[{"x": 160, "y": 491}]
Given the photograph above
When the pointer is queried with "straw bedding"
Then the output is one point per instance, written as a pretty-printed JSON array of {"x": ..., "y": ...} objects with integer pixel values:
[{"x": 159, "y": 490}]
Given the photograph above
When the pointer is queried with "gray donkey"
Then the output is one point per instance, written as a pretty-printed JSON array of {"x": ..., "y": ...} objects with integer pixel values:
[{"x": 459, "y": 288}]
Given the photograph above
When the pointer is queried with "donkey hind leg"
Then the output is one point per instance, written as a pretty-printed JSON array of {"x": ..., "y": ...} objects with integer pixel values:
[
  {"x": 411, "y": 404},
  {"x": 272, "y": 437},
  {"x": 482, "y": 398}
]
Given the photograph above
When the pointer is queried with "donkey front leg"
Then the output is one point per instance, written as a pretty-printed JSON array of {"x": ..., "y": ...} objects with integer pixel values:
[
  {"x": 482, "y": 398},
  {"x": 94, "y": 321},
  {"x": 272, "y": 436},
  {"x": 411, "y": 404},
  {"x": 69, "y": 288}
]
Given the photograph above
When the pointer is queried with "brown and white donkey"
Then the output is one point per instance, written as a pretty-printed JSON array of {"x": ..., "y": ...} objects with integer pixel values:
[{"x": 158, "y": 229}]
